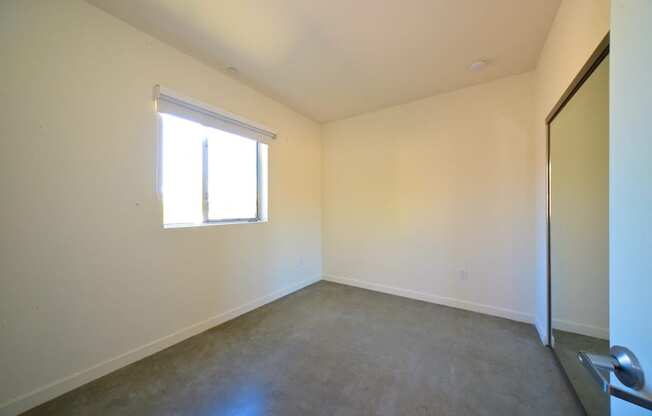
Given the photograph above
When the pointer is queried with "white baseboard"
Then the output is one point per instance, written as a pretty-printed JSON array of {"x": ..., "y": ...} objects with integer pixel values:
[
  {"x": 440, "y": 300},
  {"x": 58, "y": 387},
  {"x": 582, "y": 329}
]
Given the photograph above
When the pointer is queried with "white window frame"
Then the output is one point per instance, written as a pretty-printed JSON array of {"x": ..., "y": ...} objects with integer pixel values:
[
  {"x": 261, "y": 177},
  {"x": 205, "y": 199}
]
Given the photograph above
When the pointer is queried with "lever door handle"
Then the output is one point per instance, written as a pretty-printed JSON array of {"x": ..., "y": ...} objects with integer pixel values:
[{"x": 624, "y": 364}]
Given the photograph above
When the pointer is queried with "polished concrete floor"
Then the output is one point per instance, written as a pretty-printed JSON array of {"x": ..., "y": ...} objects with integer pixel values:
[
  {"x": 567, "y": 345},
  {"x": 331, "y": 349}
]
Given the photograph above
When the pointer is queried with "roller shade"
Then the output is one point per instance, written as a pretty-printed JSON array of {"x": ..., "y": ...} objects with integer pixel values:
[{"x": 171, "y": 103}]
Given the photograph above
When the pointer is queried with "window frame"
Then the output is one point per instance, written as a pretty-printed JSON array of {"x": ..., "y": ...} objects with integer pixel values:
[
  {"x": 205, "y": 195},
  {"x": 260, "y": 213},
  {"x": 167, "y": 101}
]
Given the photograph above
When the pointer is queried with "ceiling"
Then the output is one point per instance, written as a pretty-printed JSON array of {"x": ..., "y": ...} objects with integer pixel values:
[{"x": 333, "y": 59}]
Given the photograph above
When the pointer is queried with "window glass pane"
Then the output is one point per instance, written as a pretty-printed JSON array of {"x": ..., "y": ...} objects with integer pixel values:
[
  {"x": 182, "y": 171},
  {"x": 232, "y": 185}
]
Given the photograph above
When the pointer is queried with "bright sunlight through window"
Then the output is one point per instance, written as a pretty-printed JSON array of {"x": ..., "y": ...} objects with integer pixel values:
[{"x": 210, "y": 175}]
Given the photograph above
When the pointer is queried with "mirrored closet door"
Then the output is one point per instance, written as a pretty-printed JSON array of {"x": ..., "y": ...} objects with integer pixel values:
[{"x": 579, "y": 230}]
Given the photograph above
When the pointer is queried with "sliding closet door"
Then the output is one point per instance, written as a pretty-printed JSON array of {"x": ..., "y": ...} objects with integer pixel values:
[{"x": 579, "y": 232}]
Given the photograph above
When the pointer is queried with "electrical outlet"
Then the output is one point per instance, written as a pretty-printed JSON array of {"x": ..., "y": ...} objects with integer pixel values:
[{"x": 464, "y": 275}]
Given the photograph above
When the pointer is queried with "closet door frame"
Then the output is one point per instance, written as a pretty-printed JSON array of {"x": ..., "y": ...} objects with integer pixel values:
[{"x": 598, "y": 55}]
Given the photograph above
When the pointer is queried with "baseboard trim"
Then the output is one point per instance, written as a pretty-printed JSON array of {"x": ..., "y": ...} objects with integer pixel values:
[
  {"x": 58, "y": 387},
  {"x": 582, "y": 329},
  {"x": 440, "y": 300}
]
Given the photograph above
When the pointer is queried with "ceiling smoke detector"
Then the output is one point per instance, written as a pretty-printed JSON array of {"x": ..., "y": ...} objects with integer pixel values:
[{"x": 478, "y": 65}]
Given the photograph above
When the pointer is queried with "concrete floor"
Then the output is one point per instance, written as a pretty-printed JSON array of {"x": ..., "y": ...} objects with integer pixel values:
[
  {"x": 331, "y": 349},
  {"x": 567, "y": 345}
]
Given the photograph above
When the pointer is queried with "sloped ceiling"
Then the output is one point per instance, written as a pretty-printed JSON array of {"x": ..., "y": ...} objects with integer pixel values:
[{"x": 333, "y": 59}]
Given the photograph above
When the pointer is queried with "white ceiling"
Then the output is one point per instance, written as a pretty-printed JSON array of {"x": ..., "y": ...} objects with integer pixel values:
[{"x": 332, "y": 59}]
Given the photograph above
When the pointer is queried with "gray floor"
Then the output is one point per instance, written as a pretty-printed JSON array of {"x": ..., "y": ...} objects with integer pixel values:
[
  {"x": 567, "y": 345},
  {"x": 331, "y": 349}
]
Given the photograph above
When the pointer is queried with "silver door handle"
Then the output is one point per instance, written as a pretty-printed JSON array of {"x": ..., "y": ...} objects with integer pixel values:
[{"x": 624, "y": 364}]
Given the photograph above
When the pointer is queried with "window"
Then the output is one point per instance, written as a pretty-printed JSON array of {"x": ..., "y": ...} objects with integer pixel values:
[{"x": 213, "y": 166}]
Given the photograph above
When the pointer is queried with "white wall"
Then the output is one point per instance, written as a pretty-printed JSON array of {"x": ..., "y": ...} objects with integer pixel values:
[
  {"x": 578, "y": 28},
  {"x": 89, "y": 279},
  {"x": 433, "y": 199},
  {"x": 579, "y": 228}
]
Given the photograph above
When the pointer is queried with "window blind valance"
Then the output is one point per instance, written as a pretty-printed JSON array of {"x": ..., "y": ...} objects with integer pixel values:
[{"x": 170, "y": 103}]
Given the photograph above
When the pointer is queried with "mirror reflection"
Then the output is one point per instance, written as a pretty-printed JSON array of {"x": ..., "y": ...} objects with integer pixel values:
[{"x": 579, "y": 233}]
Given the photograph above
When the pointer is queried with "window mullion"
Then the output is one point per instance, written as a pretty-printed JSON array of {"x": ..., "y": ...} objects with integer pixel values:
[{"x": 205, "y": 179}]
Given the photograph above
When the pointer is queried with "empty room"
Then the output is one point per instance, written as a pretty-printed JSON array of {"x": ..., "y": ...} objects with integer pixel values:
[{"x": 288, "y": 207}]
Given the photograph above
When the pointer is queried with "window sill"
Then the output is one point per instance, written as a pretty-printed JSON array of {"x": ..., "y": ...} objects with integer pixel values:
[{"x": 211, "y": 224}]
